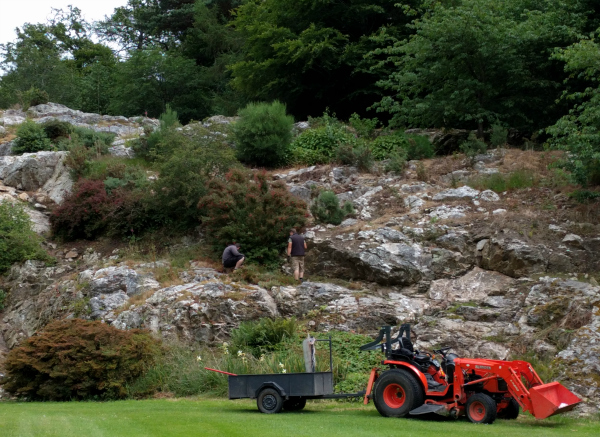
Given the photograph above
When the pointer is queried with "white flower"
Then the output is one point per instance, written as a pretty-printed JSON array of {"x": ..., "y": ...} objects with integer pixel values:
[
  {"x": 284, "y": 371},
  {"x": 262, "y": 357},
  {"x": 198, "y": 358},
  {"x": 225, "y": 344},
  {"x": 240, "y": 353},
  {"x": 281, "y": 365}
]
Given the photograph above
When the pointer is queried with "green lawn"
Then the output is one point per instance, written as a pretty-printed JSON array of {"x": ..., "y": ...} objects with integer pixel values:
[{"x": 209, "y": 417}]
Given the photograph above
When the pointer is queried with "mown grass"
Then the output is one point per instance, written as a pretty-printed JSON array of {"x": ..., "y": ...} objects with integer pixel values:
[{"x": 211, "y": 417}]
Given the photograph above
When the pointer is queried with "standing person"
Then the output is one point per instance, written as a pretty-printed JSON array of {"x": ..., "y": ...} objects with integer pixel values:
[
  {"x": 232, "y": 257},
  {"x": 296, "y": 249}
]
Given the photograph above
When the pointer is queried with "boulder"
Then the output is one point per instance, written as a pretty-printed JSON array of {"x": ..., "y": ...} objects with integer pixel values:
[
  {"x": 6, "y": 148},
  {"x": 461, "y": 193},
  {"x": 475, "y": 286},
  {"x": 31, "y": 171},
  {"x": 514, "y": 258}
]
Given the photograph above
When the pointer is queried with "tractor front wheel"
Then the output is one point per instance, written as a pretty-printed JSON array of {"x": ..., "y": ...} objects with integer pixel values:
[
  {"x": 396, "y": 393},
  {"x": 481, "y": 408},
  {"x": 294, "y": 404},
  {"x": 269, "y": 401}
]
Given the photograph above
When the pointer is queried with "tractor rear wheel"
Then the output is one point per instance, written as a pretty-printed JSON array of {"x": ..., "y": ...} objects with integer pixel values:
[
  {"x": 396, "y": 393},
  {"x": 481, "y": 408},
  {"x": 269, "y": 401},
  {"x": 294, "y": 404},
  {"x": 511, "y": 411}
]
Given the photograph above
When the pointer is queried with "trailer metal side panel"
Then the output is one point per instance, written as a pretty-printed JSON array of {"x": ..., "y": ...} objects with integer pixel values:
[{"x": 294, "y": 384}]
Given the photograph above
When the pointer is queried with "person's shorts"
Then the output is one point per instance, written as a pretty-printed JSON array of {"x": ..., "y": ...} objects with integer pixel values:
[
  {"x": 298, "y": 263},
  {"x": 231, "y": 262}
]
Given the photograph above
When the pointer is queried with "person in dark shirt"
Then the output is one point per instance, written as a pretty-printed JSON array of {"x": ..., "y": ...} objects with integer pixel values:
[
  {"x": 232, "y": 257},
  {"x": 296, "y": 249}
]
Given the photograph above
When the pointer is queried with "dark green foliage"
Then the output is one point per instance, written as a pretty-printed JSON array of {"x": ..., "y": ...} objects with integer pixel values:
[
  {"x": 78, "y": 359},
  {"x": 326, "y": 208},
  {"x": 2, "y": 299},
  {"x": 359, "y": 156},
  {"x": 56, "y": 129},
  {"x": 263, "y": 134},
  {"x": 263, "y": 335},
  {"x": 473, "y": 147},
  {"x": 499, "y": 135},
  {"x": 158, "y": 144},
  {"x": 385, "y": 145},
  {"x": 90, "y": 138},
  {"x": 18, "y": 242},
  {"x": 585, "y": 196},
  {"x": 247, "y": 209},
  {"x": 419, "y": 147},
  {"x": 31, "y": 138},
  {"x": 33, "y": 97},
  {"x": 476, "y": 62},
  {"x": 184, "y": 174}
]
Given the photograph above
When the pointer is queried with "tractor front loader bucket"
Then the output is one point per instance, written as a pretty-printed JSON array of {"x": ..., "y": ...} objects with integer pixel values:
[{"x": 550, "y": 399}]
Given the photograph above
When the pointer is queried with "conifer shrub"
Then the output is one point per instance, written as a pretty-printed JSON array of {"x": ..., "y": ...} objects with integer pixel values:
[
  {"x": 359, "y": 156},
  {"x": 384, "y": 146},
  {"x": 396, "y": 162},
  {"x": 56, "y": 129},
  {"x": 263, "y": 134},
  {"x": 18, "y": 242},
  {"x": 499, "y": 135},
  {"x": 326, "y": 208},
  {"x": 419, "y": 147},
  {"x": 78, "y": 360},
  {"x": 31, "y": 138},
  {"x": 247, "y": 209},
  {"x": 473, "y": 147},
  {"x": 84, "y": 213}
]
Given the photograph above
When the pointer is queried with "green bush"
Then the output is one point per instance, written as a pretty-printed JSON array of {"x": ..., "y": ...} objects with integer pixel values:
[
  {"x": 2, "y": 299},
  {"x": 31, "y": 138},
  {"x": 473, "y": 147},
  {"x": 33, "y": 97},
  {"x": 319, "y": 145},
  {"x": 90, "y": 138},
  {"x": 359, "y": 156},
  {"x": 499, "y": 135},
  {"x": 419, "y": 147},
  {"x": 499, "y": 182},
  {"x": 18, "y": 242},
  {"x": 326, "y": 208},
  {"x": 263, "y": 134},
  {"x": 56, "y": 129},
  {"x": 78, "y": 359},
  {"x": 396, "y": 162},
  {"x": 364, "y": 127},
  {"x": 158, "y": 144},
  {"x": 385, "y": 146},
  {"x": 246, "y": 208},
  {"x": 585, "y": 196},
  {"x": 264, "y": 335}
]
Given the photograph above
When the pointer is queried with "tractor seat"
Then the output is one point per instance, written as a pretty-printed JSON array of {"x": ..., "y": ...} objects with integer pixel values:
[{"x": 422, "y": 358}]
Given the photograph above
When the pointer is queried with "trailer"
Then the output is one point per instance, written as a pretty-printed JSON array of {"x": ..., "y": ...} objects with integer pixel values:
[{"x": 288, "y": 391}]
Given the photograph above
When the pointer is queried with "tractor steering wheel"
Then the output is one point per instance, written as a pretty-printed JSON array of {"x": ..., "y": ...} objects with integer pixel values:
[{"x": 442, "y": 351}]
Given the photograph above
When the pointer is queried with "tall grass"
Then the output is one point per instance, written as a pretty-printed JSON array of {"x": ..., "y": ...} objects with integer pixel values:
[{"x": 499, "y": 182}]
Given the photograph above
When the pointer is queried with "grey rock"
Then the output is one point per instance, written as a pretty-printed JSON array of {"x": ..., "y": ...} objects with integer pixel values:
[
  {"x": 348, "y": 222},
  {"x": 489, "y": 196},
  {"x": 513, "y": 257},
  {"x": 461, "y": 193},
  {"x": 573, "y": 240},
  {"x": 121, "y": 151},
  {"x": 6, "y": 148},
  {"x": 475, "y": 286}
]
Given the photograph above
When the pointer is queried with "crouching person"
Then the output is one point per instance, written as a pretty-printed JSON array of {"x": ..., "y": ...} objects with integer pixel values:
[{"x": 232, "y": 258}]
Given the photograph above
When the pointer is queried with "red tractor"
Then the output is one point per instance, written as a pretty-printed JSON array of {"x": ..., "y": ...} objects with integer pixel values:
[{"x": 416, "y": 383}]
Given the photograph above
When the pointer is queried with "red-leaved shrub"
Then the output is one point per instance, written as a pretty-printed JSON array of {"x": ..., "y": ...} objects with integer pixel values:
[
  {"x": 78, "y": 359},
  {"x": 247, "y": 209},
  {"x": 83, "y": 213}
]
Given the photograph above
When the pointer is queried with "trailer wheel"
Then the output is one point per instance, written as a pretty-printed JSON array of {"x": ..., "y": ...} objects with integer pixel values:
[
  {"x": 269, "y": 401},
  {"x": 511, "y": 411},
  {"x": 294, "y": 404},
  {"x": 397, "y": 392},
  {"x": 481, "y": 408}
]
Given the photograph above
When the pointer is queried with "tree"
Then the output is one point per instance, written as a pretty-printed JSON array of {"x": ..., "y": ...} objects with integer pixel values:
[
  {"x": 309, "y": 54},
  {"x": 477, "y": 62},
  {"x": 578, "y": 132}
]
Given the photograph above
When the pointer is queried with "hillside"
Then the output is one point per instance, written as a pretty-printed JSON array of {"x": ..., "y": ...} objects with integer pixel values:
[{"x": 491, "y": 257}]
